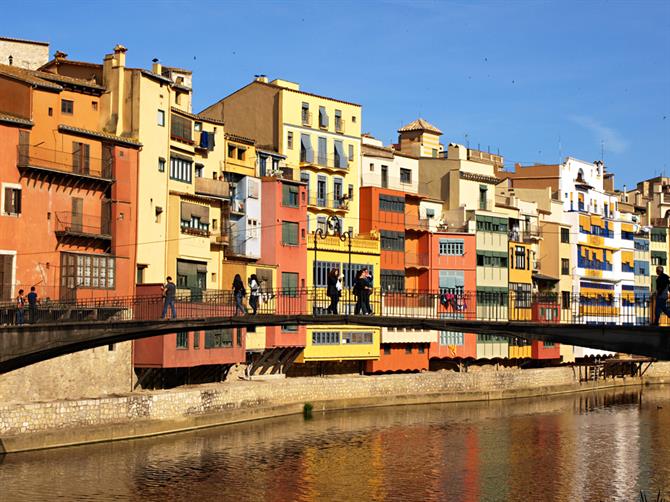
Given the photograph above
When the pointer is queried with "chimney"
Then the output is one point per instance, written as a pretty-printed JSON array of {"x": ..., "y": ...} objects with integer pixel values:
[
  {"x": 120, "y": 55},
  {"x": 113, "y": 77},
  {"x": 156, "y": 67},
  {"x": 60, "y": 55},
  {"x": 261, "y": 78}
]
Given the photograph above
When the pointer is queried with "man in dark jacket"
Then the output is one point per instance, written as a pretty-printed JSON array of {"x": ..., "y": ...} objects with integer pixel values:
[
  {"x": 169, "y": 293},
  {"x": 662, "y": 283}
]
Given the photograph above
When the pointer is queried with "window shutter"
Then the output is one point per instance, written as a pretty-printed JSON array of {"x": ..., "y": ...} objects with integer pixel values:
[
  {"x": 86, "y": 151},
  {"x": 76, "y": 156},
  {"x": 17, "y": 201},
  {"x": 307, "y": 145},
  {"x": 8, "y": 200}
]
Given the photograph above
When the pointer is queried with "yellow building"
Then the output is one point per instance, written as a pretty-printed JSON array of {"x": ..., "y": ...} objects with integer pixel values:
[{"x": 320, "y": 137}]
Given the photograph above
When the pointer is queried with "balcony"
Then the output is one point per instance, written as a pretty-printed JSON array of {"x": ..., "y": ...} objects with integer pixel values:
[
  {"x": 221, "y": 239},
  {"x": 306, "y": 118},
  {"x": 212, "y": 187},
  {"x": 74, "y": 226},
  {"x": 40, "y": 161},
  {"x": 417, "y": 260},
  {"x": 339, "y": 204},
  {"x": 196, "y": 232},
  {"x": 529, "y": 234},
  {"x": 418, "y": 224},
  {"x": 330, "y": 163}
]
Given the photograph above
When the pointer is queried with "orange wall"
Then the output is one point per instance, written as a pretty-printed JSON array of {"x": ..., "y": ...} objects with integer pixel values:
[
  {"x": 468, "y": 349},
  {"x": 371, "y": 218},
  {"x": 399, "y": 360},
  {"x": 15, "y": 98},
  {"x": 467, "y": 262}
]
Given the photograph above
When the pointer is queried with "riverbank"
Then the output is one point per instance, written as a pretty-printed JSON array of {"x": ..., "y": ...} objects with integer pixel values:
[{"x": 53, "y": 424}]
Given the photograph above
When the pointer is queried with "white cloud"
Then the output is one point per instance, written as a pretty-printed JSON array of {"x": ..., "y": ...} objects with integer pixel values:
[{"x": 613, "y": 141}]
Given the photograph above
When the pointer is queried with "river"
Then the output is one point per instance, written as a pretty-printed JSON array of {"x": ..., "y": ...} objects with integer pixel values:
[{"x": 604, "y": 445}]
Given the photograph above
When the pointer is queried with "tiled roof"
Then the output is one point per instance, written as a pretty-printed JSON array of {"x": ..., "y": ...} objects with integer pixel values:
[
  {"x": 420, "y": 125},
  {"x": 58, "y": 61},
  {"x": 68, "y": 80},
  {"x": 241, "y": 139},
  {"x": 177, "y": 70},
  {"x": 279, "y": 87},
  {"x": 10, "y": 39},
  {"x": 195, "y": 116},
  {"x": 27, "y": 76},
  {"x": 12, "y": 119},
  {"x": 100, "y": 134},
  {"x": 377, "y": 151}
]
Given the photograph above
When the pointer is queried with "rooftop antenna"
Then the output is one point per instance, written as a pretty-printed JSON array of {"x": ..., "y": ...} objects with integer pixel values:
[{"x": 467, "y": 140}]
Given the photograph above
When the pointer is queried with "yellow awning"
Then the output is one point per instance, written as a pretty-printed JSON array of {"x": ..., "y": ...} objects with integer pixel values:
[
  {"x": 585, "y": 222},
  {"x": 627, "y": 257},
  {"x": 627, "y": 227},
  {"x": 597, "y": 221}
]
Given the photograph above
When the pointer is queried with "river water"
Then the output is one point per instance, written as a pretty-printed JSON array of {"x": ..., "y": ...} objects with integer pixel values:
[{"x": 606, "y": 445}]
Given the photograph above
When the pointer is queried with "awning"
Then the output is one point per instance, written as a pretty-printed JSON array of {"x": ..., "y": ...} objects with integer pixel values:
[
  {"x": 542, "y": 277},
  {"x": 188, "y": 211}
]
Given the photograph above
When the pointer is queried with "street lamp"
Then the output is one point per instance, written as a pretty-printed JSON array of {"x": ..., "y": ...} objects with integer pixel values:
[{"x": 333, "y": 227}]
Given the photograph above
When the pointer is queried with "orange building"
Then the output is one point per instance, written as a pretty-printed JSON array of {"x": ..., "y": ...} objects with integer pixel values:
[
  {"x": 453, "y": 271},
  {"x": 68, "y": 221}
]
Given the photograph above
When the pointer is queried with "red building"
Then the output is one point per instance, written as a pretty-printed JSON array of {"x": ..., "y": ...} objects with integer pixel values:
[
  {"x": 68, "y": 215},
  {"x": 453, "y": 269},
  {"x": 284, "y": 244}
]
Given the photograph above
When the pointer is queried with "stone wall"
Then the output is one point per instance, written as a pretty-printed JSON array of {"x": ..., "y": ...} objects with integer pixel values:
[
  {"x": 59, "y": 423},
  {"x": 90, "y": 373},
  {"x": 25, "y": 54}
]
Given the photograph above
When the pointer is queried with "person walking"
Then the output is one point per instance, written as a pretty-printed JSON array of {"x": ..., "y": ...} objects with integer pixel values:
[
  {"x": 169, "y": 293},
  {"x": 20, "y": 305},
  {"x": 254, "y": 293},
  {"x": 360, "y": 290},
  {"x": 32, "y": 305},
  {"x": 368, "y": 290},
  {"x": 334, "y": 290},
  {"x": 239, "y": 292},
  {"x": 662, "y": 284}
]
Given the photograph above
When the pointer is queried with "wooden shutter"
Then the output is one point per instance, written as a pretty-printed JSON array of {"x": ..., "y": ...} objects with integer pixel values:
[
  {"x": 76, "y": 156},
  {"x": 77, "y": 214},
  {"x": 8, "y": 201},
  {"x": 6, "y": 262},
  {"x": 86, "y": 161},
  {"x": 106, "y": 217}
]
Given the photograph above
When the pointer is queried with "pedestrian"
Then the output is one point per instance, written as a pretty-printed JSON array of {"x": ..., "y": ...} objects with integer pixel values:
[
  {"x": 367, "y": 292},
  {"x": 334, "y": 290},
  {"x": 239, "y": 293},
  {"x": 361, "y": 290},
  {"x": 169, "y": 293},
  {"x": 662, "y": 283},
  {"x": 32, "y": 305},
  {"x": 20, "y": 304},
  {"x": 254, "y": 293}
]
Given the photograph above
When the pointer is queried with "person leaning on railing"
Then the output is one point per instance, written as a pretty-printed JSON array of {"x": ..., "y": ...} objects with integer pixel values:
[{"x": 662, "y": 284}]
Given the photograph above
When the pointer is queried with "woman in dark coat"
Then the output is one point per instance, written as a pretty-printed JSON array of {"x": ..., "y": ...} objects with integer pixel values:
[
  {"x": 334, "y": 290},
  {"x": 361, "y": 290},
  {"x": 239, "y": 292}
]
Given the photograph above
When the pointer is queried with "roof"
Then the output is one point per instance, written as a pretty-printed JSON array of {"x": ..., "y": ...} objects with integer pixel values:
[
  {"x": 196, "y": 116},
  {"x": 24, "y": 41},
  {"x": 177, "y": 70},
  {"x": 12, "y": 119},
  {"x": 241, "y": 139},
  {"x": 46, "y": 79},
  {"x": 100, "y": 135},
  {"x": 28, "y": 76},
  {"x": 57, "y": 61},
  {"x": 420, "y": 125},
  {"x": 377, "y": 151}
]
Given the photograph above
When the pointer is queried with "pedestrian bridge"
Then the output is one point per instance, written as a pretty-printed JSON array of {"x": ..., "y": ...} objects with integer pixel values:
[{"x": 612, "y": 324}]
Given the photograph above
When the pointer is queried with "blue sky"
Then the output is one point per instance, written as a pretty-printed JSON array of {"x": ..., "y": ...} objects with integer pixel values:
[{"x": 533, "y": 80}]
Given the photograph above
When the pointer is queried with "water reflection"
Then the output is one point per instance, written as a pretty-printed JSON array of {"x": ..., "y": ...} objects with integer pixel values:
[{"x": 596, "y": 446}]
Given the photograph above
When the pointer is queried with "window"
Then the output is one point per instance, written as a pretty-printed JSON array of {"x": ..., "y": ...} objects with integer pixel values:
[
  {"x": 372, "y": 166},
  {"x": 322, "y": 151},
  {"x": 289, "y": 233},
  {"x": 522, "y": 294},
  {"x": 351, "y": 152},
  {"x": 408, "y": 349},
  {"x": 87, "y": 271},
  {"x": 452, "y": 247},
  {"x": 451, "y": 338},
  {"x": 218, "y": 338},
  {"x": 392, "y": 280},
  {"x": 430, "y": 213},
  {"x": 321, "y": 191},
  {"x": 565, "y": 299},
  {"x": 199, "y": 170},
  {"x": 405, "y": 175},
  {"x": 241, "y": 153},
  {"x": 451, "y": 281},
  {"x": 483, "y": 189},
  {"x": 306, "y": 151},
  {"x": 391, "y": 203},
  {"x": 160, "y": 118},
  {"x": 289, "y": 283},
  {"x": 323, "y": 117},
  {"x": 565, "y": 266},
  {"x": 338, "y": 155},
  {"x": 387, "y": 350},
  {"x": 392, "y": 241},
  {"x": 181, "y": 128},
  {"x": 139, "y": 276},
  {"x": 305, "y": 115},
  {"x": 658, "y": 234},
  {"x": 81, "y": 157},
  {"x": 197, "y": 126},
  {"x": 196, "y": 340},
  {"x": 491, "y": 224},
  {"x": 182, "y": 340},
  {"x": 231, "y": 151},
  {"x": 338, "y": 120},
  {"x": 565, "y": 235},
  {"x": 353, "y": 119},
  {"x": 161, "y": 165},
  {"x": 289, "y": 140},
  {"x": 434, "y": 152},
  {"x": 94, "y": 105},
  {"x": 337, "y": 192},
  {"x": 321, "y": 270},
  {"x": 67, "y": 106},
  {"x": 357, "y": 337},
  {"x": 12, "y": 200},
  {"x": 325, "y": 338},
  {"x": 181, "y": 169},
  {"x": 492, "y": 259},
  {"x": 519, "y": 257},
  {"x": 289, "y": 195}
]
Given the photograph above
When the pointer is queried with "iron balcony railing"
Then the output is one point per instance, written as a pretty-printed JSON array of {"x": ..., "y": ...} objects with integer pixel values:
[
  {"x": 488, "y": 306},
  {"x": 36, "y": 157},
  {"x": 76, "y": 224},
  {"x": 340, "y": 203}
]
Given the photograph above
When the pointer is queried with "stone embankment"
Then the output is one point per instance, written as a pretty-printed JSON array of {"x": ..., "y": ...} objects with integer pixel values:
[{"x": 67, "y": 422}]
